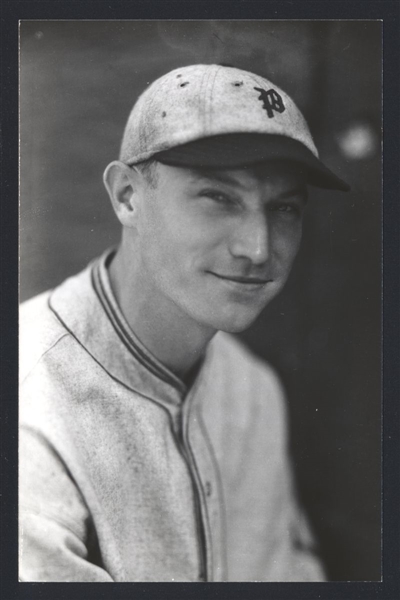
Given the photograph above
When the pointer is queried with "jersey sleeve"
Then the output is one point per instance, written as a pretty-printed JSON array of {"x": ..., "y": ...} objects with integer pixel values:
[{"x": 56, "y": 534}]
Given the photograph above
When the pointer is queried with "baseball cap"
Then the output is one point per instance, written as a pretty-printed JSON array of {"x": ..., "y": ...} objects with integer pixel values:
[{"x": 217, "y": 116}]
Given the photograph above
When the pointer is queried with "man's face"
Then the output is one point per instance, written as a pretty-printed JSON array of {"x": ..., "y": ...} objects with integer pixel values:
[{"x": 216, "y": 246}]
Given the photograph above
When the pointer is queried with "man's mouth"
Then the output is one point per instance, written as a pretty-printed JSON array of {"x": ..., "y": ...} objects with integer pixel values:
[{"x": 250, "y": 281}]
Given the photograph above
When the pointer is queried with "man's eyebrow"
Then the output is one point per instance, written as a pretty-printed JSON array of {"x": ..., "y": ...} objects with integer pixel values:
[{"x": 201, "y": 173}]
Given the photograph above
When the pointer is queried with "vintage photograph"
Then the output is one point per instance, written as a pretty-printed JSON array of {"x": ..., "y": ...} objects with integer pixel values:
[{"x": 200, "y": 288}]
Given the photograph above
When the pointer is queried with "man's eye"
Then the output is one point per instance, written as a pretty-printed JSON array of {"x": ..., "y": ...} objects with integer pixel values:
[
  {"x": 287, "y": 208},
  {"x": 218, "y": 197}
]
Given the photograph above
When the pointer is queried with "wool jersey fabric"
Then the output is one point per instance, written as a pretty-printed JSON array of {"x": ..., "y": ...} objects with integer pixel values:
[{"x": 127, "y": 475}]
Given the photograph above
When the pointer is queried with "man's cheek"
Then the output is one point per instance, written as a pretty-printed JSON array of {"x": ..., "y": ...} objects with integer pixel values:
[{"x": 288, "y": 246}]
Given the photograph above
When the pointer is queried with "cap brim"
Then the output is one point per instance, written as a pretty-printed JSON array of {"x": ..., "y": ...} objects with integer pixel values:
[{"x": 243, "y": 149}]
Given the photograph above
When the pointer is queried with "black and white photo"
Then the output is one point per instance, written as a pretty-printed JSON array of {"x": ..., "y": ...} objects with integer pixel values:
[{"x": 200, "y": 287}]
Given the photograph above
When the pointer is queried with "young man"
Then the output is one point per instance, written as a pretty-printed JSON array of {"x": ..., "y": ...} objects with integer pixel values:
[{"x": 153, "y": 448}]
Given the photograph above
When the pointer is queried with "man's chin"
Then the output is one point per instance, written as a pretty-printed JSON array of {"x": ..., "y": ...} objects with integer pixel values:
[{"x": 239, "y": 319}]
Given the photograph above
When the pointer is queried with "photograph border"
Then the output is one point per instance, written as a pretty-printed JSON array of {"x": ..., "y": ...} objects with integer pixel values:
[{"x": 12, "y": 12}]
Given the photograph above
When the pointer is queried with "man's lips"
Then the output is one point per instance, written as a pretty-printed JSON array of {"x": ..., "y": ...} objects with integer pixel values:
[{"x": 242, "y": 279}]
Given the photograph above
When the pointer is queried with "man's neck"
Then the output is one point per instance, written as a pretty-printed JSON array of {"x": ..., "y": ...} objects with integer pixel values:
[{"x": 171, "y": 336}]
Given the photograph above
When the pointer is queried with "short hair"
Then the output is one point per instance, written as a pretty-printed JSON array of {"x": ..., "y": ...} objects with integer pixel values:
[{"x": 148, "y": 168}]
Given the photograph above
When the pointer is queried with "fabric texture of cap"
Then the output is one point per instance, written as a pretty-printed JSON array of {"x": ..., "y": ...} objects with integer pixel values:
[{"x": 217, "y": 116}]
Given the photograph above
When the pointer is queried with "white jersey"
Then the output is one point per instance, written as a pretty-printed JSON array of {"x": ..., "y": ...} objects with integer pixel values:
[{"x": 127, "y": 475}]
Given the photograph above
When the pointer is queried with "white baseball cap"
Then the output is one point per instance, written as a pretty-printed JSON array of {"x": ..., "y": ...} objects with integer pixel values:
[{"x": 222, "y": 117}]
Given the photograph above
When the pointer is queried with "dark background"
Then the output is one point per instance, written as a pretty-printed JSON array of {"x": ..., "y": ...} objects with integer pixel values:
[{"x": 77, "y": 85}]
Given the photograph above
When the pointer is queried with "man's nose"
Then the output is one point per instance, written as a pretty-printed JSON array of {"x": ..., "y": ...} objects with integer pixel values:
[{"x": 251, "y": 239}]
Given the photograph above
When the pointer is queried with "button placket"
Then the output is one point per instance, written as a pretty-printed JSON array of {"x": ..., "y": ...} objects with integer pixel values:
[
  {"x": 211, "y": 494},
  {"x": 204, "y": 530}
]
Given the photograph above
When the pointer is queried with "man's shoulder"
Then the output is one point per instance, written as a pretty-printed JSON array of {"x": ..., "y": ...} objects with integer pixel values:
[
  {"x": 244, "y": 375},
  {"x": 54, "y": 366},
  {"x": 39, "y": 331},
  {"x": 40, "y": 326},
  {"x": 243, "y": 393}
]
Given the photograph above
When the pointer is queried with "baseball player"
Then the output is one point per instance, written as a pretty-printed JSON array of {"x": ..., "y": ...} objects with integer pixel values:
[{"x": 153, "y": 445}]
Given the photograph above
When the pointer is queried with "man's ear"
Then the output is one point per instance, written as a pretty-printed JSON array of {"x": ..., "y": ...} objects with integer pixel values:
[{"x": 122, "y": 184}]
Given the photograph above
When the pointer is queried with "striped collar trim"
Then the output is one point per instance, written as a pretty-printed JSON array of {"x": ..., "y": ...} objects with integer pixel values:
[{"x": 102, "y": 287}]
